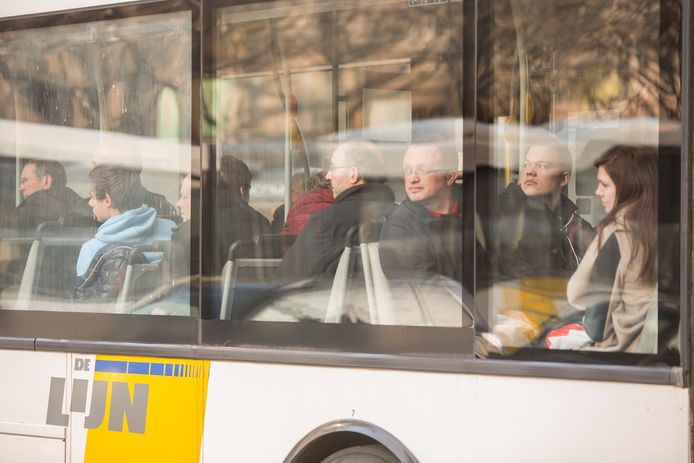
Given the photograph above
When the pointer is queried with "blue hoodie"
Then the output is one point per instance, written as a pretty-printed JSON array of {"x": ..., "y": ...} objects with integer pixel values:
[{"x": 133, "y": 227}]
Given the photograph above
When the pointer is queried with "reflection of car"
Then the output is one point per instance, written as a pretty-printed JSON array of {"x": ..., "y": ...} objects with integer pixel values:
[{"x": 435, "y": 301}]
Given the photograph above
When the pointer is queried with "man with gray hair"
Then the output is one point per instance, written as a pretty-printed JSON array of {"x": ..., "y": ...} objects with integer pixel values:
[{"x": 356, "y": 175}]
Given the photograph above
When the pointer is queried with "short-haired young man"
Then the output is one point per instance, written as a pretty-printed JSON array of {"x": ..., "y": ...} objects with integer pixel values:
[
  {"x": 541, "y": 232},
  {"x": 424, "y": 235},
  {"x": 116, "y": 200}
]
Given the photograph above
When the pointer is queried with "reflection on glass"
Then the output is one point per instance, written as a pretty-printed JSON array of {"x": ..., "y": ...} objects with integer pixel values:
[
  {"x": 76, "y": 100},
  {"x": 559, "y": 95},
  {"x": 325, "y": 104}
]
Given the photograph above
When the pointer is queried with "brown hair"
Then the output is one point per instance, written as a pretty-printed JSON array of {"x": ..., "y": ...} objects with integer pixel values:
[
  {"x": 234, "y": 180},
  {"x": 121, "y": 184},
  {"x": 634, "y": 171},
  {"x": 316, "y": 182}
]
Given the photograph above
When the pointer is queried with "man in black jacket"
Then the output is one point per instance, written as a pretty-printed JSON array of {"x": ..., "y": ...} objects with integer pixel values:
[
  {"x": 235, "y": 219},
  {"x": 356, "y": 178},
  {"x": 541, "y": 232},
  {"x": 42, "y": 185},
  {"x": 424, "y": 235}
]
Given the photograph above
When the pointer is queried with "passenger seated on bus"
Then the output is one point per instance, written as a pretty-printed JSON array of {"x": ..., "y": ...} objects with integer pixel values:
[
  {"x": 541, "y": 232},
  {"x": 181, "y": 234},
  {"x": 318, "y": 196},
  {"x": 615, "y": 285},
  {"x": 356, "y": 178},
  {"x": 45, "y": 195},
  {"x": 235, "y": 219},
  {"x": 425, "y": 233},
  {"x": 540, "y": 241},
  {"x": 298, "y": 188},
  {"x": 106, "y": 153},
  {"x": 116, "y": 201}
]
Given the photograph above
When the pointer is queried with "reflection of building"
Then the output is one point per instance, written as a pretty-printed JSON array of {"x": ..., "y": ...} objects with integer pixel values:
[{"x": 70, "y": 84}]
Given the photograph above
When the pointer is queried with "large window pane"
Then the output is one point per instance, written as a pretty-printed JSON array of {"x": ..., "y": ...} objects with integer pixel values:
[
  {"x": 312, "y": 108},
  {"x": 578, "y": 183},
  {"x": 95, "y": 138}
]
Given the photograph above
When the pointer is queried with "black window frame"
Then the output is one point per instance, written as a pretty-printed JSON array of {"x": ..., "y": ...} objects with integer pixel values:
[
  {"x": 99, "y": 327},
  {"x": 411, "y": 348}
]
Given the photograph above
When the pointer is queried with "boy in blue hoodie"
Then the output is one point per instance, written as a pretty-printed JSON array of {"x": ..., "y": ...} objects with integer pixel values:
[{"x": 116, "y": 200}]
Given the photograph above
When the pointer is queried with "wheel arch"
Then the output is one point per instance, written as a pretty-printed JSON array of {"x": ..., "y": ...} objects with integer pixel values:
[{"x": 340, "y": 434}]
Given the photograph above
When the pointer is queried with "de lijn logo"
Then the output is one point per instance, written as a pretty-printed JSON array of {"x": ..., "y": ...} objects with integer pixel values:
[{"x": 123, "y": 405}]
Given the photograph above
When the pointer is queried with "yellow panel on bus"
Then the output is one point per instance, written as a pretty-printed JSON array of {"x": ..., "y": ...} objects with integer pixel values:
[{"x": 146, "y": 409}]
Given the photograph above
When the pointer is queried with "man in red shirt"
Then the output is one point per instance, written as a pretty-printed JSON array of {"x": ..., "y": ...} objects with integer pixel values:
[{"x": 424, "y": 235}]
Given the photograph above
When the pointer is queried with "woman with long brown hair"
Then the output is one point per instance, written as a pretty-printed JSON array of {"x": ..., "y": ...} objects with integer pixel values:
[{"x": 616, "y": 282}]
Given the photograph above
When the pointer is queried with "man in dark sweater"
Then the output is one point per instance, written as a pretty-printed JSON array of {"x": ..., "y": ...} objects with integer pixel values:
[
  {"x": 424, "y": 235},
  {"x": 45, "y": 194},
  {"x": 541, "y": 232},
  {"x": 235, "y": 219},
  {"x": 356, "y": 178}
]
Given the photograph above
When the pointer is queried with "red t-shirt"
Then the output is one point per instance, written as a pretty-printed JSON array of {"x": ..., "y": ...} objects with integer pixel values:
[{"x": 455, "y": 210}]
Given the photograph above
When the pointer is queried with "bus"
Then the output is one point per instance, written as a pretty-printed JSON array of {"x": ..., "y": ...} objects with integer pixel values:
[{"x": 182, "y": 337}]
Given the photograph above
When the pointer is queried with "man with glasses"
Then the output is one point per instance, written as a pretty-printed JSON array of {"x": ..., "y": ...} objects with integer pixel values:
[
  {"x": 356, "y": 175},
  {"x": 45, "y": 195},
  {"x": 424, "y": 235},
  {"x": 541, "y": 232}
]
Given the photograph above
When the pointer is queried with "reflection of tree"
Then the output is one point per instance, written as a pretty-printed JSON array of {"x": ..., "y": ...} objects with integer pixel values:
[
  {"x": 385, "y": 46},
  {"x": 592, "y": 55},
  {"x": 48, "y": 76}
]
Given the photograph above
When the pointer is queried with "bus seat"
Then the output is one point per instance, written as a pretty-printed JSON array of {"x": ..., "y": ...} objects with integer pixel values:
[
  {"x": 145, "y": 272},
  {"x": 50, "y": 264},
  {"x": 377, "y": 287},
  {"x": 343, "y": 274},
  {"x": 261, "y": 256}
]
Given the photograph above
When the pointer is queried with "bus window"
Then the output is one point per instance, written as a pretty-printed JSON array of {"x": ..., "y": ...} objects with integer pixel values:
[
  {"x": 585, "y": 232},
  {"x": 94, "y": 163},
  {"x": 335, "y": 135}
]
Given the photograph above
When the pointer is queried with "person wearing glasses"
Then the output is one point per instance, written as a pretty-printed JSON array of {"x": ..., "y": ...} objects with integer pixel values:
[
  {"x": 45, "y": 195},
  {"x": 356, "y": 175},
  {"x": 541, "y": 232},
  {"x": 424, "y": 235},
  {"x": 540, "y": 240}
]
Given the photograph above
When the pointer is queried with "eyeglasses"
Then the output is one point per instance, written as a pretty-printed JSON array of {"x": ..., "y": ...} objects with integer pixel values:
[
  {"x": 334, "y": 167},
  {"x": 419, "y": 171},
  {"x": 539, "y": 165}
]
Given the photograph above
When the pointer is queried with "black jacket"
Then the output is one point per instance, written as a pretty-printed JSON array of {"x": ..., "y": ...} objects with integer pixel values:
[
  {"x": 105, "y": 276},
  {"x": 53, "y": 204},
  {"x": 414, "y": 242},
  {"x": 535, "y": 241},
  {"x": 237, "y": 222},
  {"x": 183, "y": 246},
  {"x": 163, "y": 207},
  {"x": 317, "y": 250}
]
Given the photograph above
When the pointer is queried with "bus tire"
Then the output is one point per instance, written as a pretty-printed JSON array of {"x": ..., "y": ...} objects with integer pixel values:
[{"x": 362, "y": 454}]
